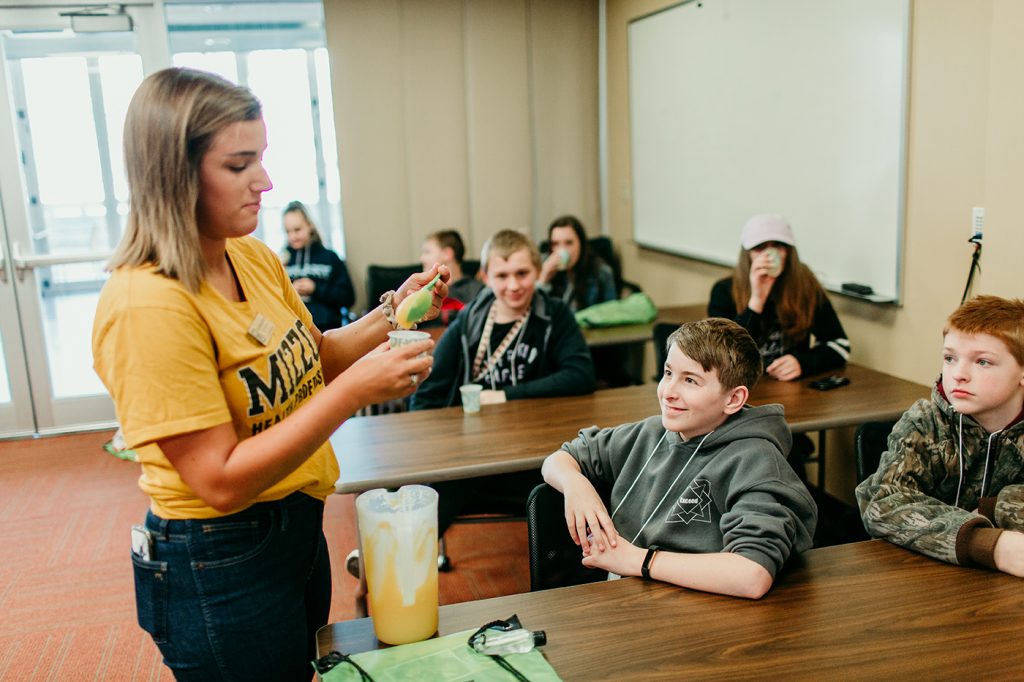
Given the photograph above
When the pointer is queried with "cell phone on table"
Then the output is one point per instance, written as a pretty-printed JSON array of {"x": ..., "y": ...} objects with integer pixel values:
[
  {"x": 828, "y": 383},
  {"x": 142, "y": 543}
]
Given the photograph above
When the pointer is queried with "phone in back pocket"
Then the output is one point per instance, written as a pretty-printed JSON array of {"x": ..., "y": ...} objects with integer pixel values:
[{"x": 142, "y": 542}]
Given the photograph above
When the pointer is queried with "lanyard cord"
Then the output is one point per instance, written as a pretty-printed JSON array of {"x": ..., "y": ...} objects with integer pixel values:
[
  {"x": 484, "y": 347},
  {"x": 633, "y": 484}
]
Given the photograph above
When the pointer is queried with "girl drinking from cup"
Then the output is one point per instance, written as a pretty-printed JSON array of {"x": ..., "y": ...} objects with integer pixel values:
[
  {"x": 780, "y": 302},
  {"x": 572, "y": 272}
]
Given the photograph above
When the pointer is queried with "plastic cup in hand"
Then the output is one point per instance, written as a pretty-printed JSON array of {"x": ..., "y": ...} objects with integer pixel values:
[
  {"x": 563, "y": 259},
  {"x": 471, "y": 397},
  {"x": 398, "y": 534},
  {"x": 774, "y": 261},
  {"x": 403, "y": 337}
]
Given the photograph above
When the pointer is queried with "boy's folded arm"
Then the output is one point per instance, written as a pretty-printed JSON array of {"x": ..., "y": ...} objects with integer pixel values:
[
  {"x": 557, "y": 467},
  {"x": 719, "y": 572},
  {"x": 895, "y": 503},
  {"x": 1008, "y": 508}
]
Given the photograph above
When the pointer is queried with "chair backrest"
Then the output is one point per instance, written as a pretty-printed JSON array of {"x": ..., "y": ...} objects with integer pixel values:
[
  {"x": 604, "y": 247},
  {"x": 382, "y": 278},
  {"x": 470, "y": 267},
  {"x": 554, "y": 558},
  {"x": 871, "y": 440}
]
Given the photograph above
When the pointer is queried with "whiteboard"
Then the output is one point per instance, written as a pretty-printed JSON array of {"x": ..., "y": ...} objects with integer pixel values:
[{"x": 796, "y": 107}]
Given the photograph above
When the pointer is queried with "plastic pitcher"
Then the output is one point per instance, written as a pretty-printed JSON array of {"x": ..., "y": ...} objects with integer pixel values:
[{"x": 398, "y": 533}]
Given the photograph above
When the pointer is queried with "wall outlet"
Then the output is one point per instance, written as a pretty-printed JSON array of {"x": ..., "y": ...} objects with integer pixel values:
[{"x": 977, "y": 221}]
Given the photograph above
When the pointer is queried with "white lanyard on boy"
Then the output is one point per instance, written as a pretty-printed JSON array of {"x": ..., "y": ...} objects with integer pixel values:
[{"x": 667, "y": 491}]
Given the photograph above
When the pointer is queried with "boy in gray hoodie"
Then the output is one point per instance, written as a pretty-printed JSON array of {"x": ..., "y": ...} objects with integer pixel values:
[{"x": 701, "y": 496}]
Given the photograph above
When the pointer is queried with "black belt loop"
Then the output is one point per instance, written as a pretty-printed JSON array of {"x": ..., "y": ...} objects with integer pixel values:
[{"x": 162, "y": 527}]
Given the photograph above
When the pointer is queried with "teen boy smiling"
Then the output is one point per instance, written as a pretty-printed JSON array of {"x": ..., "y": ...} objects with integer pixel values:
[{"x": 701, "y": 496}]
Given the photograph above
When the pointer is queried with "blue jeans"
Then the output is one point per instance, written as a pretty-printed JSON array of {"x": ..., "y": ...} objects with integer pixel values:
[{"x": 239, "y": 597}]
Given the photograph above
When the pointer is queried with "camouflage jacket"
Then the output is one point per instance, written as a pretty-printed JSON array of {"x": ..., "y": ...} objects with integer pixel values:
[{"x": 912, "y": 500}]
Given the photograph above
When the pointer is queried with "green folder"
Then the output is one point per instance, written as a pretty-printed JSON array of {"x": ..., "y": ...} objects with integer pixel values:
[{"x": 445, "y": 659}]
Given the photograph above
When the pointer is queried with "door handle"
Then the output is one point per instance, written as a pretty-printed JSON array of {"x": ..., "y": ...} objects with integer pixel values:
[{"x": 24, "y": 264}]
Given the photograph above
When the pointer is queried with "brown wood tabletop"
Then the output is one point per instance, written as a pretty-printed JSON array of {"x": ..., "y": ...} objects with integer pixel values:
[
  {"x": 391, "y": 450},
  {"x": 867, "y": 610}
]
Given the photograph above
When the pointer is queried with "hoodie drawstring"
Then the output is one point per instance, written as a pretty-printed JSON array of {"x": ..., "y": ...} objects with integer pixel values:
[
  {"x": 667, "y": 490},
  {"x": 960, "y": 458}
]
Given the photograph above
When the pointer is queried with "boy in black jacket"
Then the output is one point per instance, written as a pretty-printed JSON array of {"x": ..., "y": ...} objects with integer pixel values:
[
  {"x": 513, "y": 339},
  {"x": 516, "y": 342}
]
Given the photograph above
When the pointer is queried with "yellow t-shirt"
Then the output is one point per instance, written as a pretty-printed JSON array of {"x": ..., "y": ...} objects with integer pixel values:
[{"x": 176, "y": 362}]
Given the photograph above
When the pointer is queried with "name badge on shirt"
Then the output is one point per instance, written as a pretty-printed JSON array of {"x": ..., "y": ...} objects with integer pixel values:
[{"x": 261, "y": 330}]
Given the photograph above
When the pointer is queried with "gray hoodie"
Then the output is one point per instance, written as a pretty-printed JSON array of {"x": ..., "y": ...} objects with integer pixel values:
[{"x": 730, "y": 490}]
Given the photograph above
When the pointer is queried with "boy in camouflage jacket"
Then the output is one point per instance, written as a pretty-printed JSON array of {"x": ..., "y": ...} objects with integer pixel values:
[{"x": 951, "y": 485}]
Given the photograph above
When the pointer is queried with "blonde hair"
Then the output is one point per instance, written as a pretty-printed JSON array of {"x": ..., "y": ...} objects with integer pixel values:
[
  {"x": 506, "y": 242},
  {"x": 171, "y": 122},
  {"x": 300, "y": 208}
]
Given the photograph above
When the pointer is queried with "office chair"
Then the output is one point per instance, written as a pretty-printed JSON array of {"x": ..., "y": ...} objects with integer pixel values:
[
  {"x": 837, "y": 522},
  {"x": 604, "y": 248},
  {"x": 382, "y": 278},
  {"x": 471, "y": 268},
  {"x": 870, "y": 441},
  {"x": 554, "y": 558}
]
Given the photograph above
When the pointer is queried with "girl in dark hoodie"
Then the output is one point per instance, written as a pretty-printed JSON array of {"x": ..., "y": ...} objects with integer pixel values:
[{"x": 319, "y": 276}]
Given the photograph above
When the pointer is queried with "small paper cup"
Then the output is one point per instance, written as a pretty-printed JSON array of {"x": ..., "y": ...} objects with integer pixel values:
[
  {"x": 403, "y": 337},
  {"x": 470, "y": 397}
]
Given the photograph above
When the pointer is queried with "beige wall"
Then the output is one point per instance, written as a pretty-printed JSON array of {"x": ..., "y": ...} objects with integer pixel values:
[
  {"x": 965, "y": 149},
  {"x": 473, "y": 115},
  {"x": 483, "y": 114}
]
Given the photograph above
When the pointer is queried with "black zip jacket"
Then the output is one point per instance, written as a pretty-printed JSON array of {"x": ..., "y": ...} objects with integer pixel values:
[
  {"x": 551, "y": 356},
  {"x": 333, "y": 285}
]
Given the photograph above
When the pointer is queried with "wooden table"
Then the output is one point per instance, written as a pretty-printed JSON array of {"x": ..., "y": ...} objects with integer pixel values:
[
  {"x": 441, "y": 445},
  {"x": 867, "y": 610}
]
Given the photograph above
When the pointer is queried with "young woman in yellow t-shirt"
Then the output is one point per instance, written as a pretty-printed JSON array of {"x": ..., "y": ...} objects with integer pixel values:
[{"x": 227, "y": 391}]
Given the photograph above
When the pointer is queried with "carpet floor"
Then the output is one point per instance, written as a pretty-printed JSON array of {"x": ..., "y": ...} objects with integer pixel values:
[{"x": 66, "y": 587}]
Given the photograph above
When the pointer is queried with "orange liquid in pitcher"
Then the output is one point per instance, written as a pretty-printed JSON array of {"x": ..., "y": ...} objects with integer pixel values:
[{"x": 393, "y": 621}]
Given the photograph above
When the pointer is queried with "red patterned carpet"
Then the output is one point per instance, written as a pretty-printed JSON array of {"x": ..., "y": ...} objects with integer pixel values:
[{"x": 66, "y": 591}]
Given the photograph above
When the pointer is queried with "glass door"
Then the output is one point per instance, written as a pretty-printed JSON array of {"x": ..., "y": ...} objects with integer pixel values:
[
  {"x": 63, "y": 193},
  {"x": 64, "y": 198}
]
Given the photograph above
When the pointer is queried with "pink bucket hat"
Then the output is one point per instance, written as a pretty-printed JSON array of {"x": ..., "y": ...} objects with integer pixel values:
[{"x": 766, "y": 227}]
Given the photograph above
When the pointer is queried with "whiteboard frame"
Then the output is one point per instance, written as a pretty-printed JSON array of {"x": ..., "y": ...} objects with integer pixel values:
[{"x": 901, "y": 200}]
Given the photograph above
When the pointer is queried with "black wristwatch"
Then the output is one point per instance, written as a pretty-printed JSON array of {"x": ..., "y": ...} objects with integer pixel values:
[{"x": 645, "y": 569}]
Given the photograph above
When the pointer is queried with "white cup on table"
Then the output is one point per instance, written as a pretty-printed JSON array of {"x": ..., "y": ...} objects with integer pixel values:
[{"x": 470, "y": 397}]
